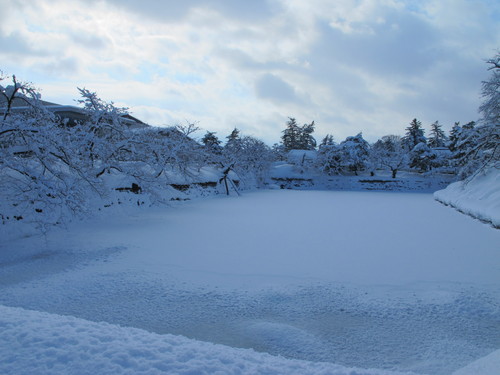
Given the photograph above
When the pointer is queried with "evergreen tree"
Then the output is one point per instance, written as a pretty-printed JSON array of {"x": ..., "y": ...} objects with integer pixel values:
[
  {"x": 212, "y": 147},
  {"x": 462, "y": 140},
  {"x": 421, "y": 157},
  {"x": 297, "y": 137},
  {"x": 291, "y": 135},
  {"x": 414, "y": 135},
  {"x": 329, "y": 158},
  {"x": 328, "y": 140},
  {"x": 278, "y": 151},
  {"x": 306, "y": 140},
  {"x": 233, "y": 138},
  {"x": 210, "y": 140},
  {"x": 454, "y": 136},
  {"x": 437, "y": 137},
  {"x": 233, "y": 144}
]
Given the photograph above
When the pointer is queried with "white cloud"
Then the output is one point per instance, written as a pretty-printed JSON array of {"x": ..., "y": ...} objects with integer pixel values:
[{"x": 370, "y": 65}]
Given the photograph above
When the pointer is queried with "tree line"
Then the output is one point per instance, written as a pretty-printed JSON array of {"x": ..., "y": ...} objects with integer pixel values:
[
  {"x": 465, "y": 151},
  {"x": 56, "y": 169}
]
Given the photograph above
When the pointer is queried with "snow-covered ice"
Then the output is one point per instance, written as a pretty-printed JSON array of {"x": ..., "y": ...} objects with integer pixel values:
[
  {"x": 483, "y": 366},
  {"x": 392, "y": 281},
  {"x": 39, "y": 343}
]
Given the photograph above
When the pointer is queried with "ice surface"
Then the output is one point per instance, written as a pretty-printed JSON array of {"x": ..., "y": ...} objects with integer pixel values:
[
  {"x": 46, "y": 344},
  {"x": 371, "y": 280}
]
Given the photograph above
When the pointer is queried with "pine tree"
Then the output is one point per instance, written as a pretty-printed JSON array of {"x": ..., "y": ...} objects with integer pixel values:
[
  {"x": 421, "y": 157},
  {"x": 437, "y": 137},
  {"x": 414, "y": 135},
  {"x": 328, "y": 159},
  {"x": 233, "y": 137},
  {"x": 297, "y": 137},
  {"x": 306, "y": 140},
  {"x": 454, "y": 136},
  {"x": 415, "y": 144},
  {"x": 291, "y": 135},
  {"x": 462, "y": 141},
  {"x": 212, "y": 147},
  {"x": 328, "y": 140}
]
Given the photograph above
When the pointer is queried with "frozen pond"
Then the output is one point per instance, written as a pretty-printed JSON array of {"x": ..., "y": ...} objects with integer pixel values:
[{"x": 374, "y": 280}]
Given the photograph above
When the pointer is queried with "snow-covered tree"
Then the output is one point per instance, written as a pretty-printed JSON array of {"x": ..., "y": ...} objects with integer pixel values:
[
  {"x": 329, "y": 157},
  {"x": 278, "y": 150},
  {"x": 454, "y": 136},
  {"x": 297, "y": 137},
  {"x": 291, "y": 135},
  {"x": 415, "y": 143},
  {"x": 354, "y": 153},
  {"x": 211, "y": 141},
  {"x": 421, "y": 157},
  {"x": 327, "y": 140},
  {"x": 476, "y": 148},
  {"x": 45, "y": 169},
  {"x": 462, "y": 140},
  {"x": 251, "y": 160},
  {"x": 389, "y": 153},
  {"x": 414, "y": 135},
  {"x": 232, "y": 146},
  {"x": 306, "y": 140},
  {"x": 233, "y": 138},
  {"x": 490, "y": 108},
  {"x": 18, "y": 90},
  {"x": 486, "y": 151},
  {"x": 437, "y": 137},
  {"x": 51, "y": 171},
  {"x": 213, "y": 147}
]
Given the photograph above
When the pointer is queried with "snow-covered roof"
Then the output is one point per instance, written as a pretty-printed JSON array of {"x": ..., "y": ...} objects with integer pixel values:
[
  {"x": 70, "y": 112},
  {"x": 298, "y": 156}
]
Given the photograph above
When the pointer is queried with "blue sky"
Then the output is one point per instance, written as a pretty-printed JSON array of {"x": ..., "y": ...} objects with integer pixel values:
[{"x": 349, "y": 65}]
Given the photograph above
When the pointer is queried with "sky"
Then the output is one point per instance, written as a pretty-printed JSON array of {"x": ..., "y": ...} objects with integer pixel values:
[{"x": 351, "y": 66}]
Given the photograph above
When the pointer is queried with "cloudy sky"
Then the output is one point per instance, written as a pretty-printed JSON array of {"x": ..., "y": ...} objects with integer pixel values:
[{"x": 349, "y": 65}]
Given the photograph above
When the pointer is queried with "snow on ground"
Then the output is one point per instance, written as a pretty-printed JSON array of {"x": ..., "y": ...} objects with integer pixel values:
[
  {"x": 479, "y": 198},
  {"x": 369, "y": 280},
  {"x": 39, "y": 343},
  {"x": 488, "y": 365},
  {"x": 290, "y": 176}
]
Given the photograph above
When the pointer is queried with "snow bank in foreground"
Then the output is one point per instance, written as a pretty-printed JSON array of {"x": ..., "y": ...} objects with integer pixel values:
[
  {"x": 33, "y": 342},
  {"x": 479, "y": 198},
  {"x": 488, "y": 365}
]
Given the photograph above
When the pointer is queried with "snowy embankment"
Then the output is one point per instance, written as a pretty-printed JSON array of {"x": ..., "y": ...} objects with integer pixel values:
[
  {"x": 33, "y": 342},
  {"x": 479, "y": 197},
  {"x": 489, "y": 365},
  {"x": 289, "y": 176}
]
